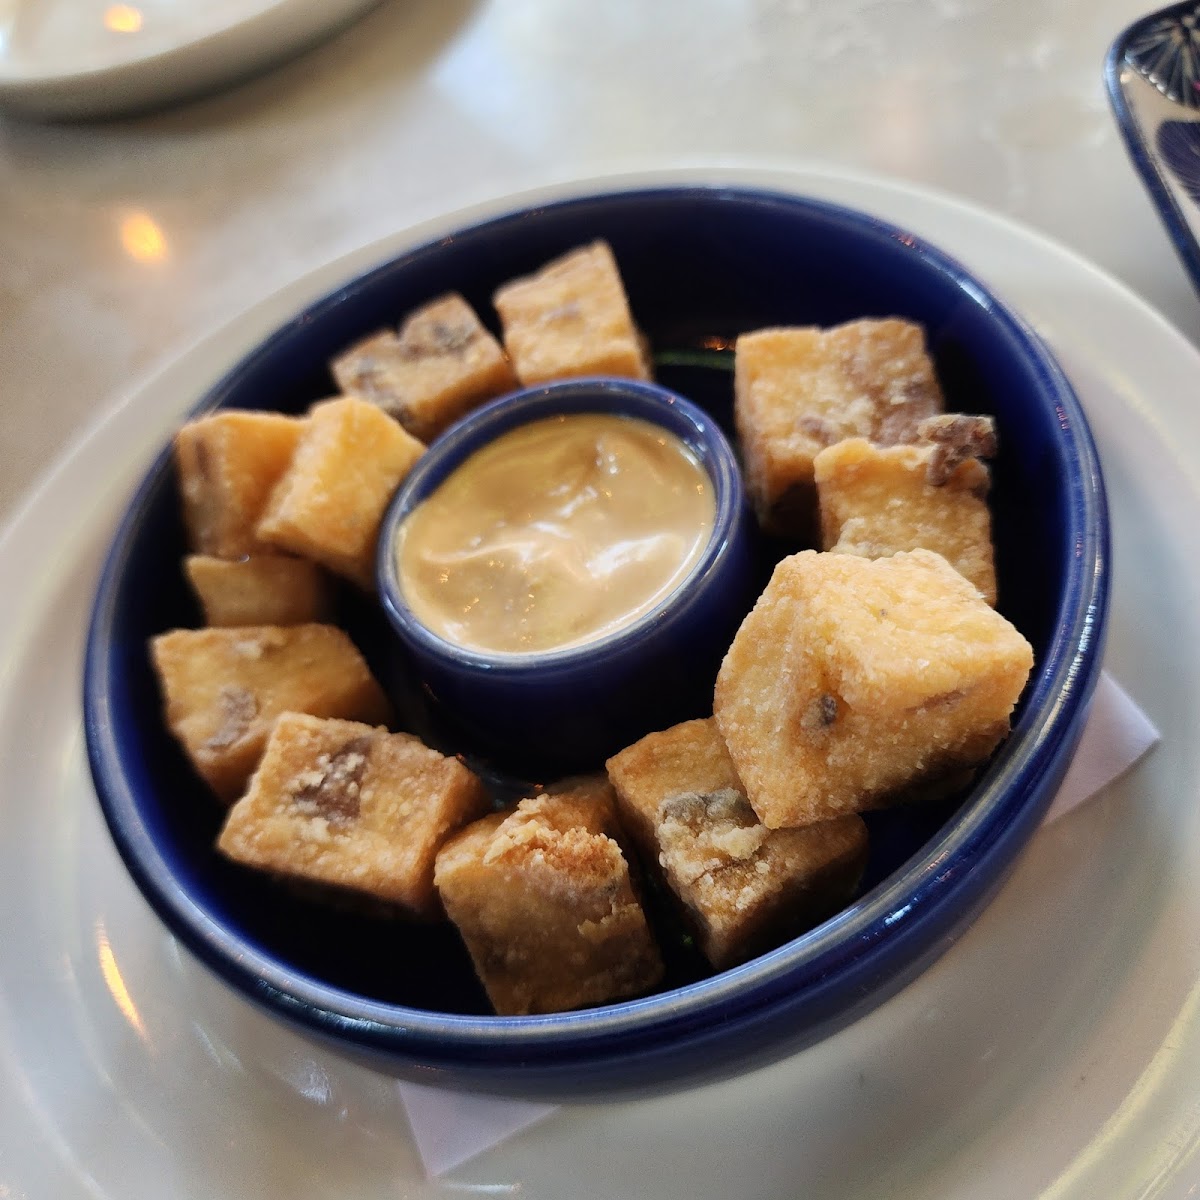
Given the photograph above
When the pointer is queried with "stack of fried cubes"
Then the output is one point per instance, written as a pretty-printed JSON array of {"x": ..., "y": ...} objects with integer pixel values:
[{"x": 871, "y": 672}]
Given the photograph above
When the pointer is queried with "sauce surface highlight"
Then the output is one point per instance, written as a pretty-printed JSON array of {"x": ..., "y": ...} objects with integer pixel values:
[{"x": 556, "y": 533}]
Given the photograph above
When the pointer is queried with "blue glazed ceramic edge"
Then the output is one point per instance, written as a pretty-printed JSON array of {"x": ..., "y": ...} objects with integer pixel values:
[{"x": 620, "y": 1046}]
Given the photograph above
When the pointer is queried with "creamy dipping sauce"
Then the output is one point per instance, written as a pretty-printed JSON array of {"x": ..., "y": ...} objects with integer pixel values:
[{"x": 556, "y": 533}]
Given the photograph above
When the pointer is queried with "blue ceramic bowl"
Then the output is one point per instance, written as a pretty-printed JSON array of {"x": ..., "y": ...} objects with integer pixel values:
[
  {"x": 701, "y": 265},
  {"x": 568, "y": 710}
]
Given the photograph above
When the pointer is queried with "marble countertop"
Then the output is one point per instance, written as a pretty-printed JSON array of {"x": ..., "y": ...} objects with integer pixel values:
[{"x": 123, "y": 242}]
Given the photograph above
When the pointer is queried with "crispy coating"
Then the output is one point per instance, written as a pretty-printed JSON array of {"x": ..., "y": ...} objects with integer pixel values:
[
  {"x": 743, "y": 887},
  {"x": 571, "y": 318},
  {"x": 798, "y": 390},
  {"x": 543, "y": 899},
  {"x": 354, "y": 807},
  {"x": 853, "y": 679},
  {"x": 749, "y": 888},
  {"x": 329, "y": 504},
  {"x": 877, "y": 500},
  {"x": 955, "y": 438},
  {"x": 268, "y": 589},
  {"x": 228, "y": 464},
  {"x": 441, "y": 364},
  {"x": 689, "y": 757},
  {"x": 224, "y": 688}
]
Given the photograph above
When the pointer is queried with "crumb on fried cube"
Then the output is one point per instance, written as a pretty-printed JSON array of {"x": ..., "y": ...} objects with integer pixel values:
[
  {"x": 579, "y": 802},
  {"x": 955, "y": 438},
  {"x": 266, "y": 589},
  {"x": 854, "y": 680},
  {"x": 543, "y": 899},
  {"x": 228, "y": 464},
  {"x": 744, "y": 888},
  {"x": 223, "y": 689},
  {"x": 800, "y": 389},
  {"x": 877, "y": 500},
  {"x": 352, "y": 807},
  {"x": 571, "y": 318},
  {"x": 329, "y": 504},
  {"x": 689, "y": 757},
  {"x": 439, "y": 366},
  {"x": 748, "y": 888}
]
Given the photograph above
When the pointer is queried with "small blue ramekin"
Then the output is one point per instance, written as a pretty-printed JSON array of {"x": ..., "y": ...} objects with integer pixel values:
[{"x": 566, "y": 710}]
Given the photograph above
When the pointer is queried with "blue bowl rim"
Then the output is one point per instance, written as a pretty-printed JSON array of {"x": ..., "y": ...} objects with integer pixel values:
[
  {"x": 904, "y": 905},
  {"x": 650, "y": 402}
]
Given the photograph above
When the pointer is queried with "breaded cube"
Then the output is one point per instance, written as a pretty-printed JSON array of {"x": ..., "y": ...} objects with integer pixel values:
[
  {"x": 268, "y": 589},
  {"x": 743, "y": 887},
  {"x": 956, "y": 437},
  {"x": 228, "y": 465},
  {"x": 690, "y": 757},
  {"x": 353, "y": 807},
  {"x": 798, "y": 390},
  {"x": 223, "y": 688},
  {"x": 586, "y": 801},
  {"x": 442, "y": 364},
  {"x": 543, "y": 899},
  {"x": 853, "y": 679},
  {"x": 571, "y": 318},
  {"x": 747, "y": 888},
  {"x": 876, "y": 500},
  {"x": 329, "y": 504}
]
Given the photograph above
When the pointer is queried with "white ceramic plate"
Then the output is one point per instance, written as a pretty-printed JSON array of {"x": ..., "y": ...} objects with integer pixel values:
[
  {"x": 1055, "y": 1050},
  {"x": 93, "y": 58}
]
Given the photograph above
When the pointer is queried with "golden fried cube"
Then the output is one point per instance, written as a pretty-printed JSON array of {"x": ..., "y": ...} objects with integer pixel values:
[
  {"x": 579, "y": 802},
  {"x": 798, "y": 390},
  {"x": 440, "y": 365},
  {"x": 223, "y": 688},
  {"x": 329, "y": 504},
  {"x": 876, "y": 500},
  {"x": 747, "y": 888},
  {"x": 228, "y": 464},
  {"x": 353, "y": 807},
  {"x": 543, "y": 899},
  {"x": 853, "y": 679},
  {"x": 744, "y": 888},
  {"x": 571, "y": 318},
  {"x": 690, "y": 757},
  {"x": 268, "y": 589}
]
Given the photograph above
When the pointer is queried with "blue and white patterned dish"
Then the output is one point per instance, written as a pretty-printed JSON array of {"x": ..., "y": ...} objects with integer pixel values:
[{"x": 1153, "y": 77}]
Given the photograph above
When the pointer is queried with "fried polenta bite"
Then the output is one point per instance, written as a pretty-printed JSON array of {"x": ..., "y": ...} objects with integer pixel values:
[
  {"x": 690, "y": 757},
  {"x": 877, "y": 500},
  {"x": 328, "y": 505},
  {"x": 800, "y": 389},
  {"x": 743, "y": 887},
  {"x": 223, "y": 688},
  {"x": 854, "y": 679},
  {"x": 352, "y": 807},
  {"x": 266, "y": 589},
  {"x": 543, "y": 899},
  {"x": 228, "y": 465},
  {"x": 571, "y": 318},
  {"x": 440, "y": 365}
]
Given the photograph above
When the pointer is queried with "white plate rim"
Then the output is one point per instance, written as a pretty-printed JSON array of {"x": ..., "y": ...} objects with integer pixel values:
[{"x": 23, "y": 546}]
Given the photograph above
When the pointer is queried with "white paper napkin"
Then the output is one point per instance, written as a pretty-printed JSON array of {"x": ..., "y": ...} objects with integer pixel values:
[
  {"x": 451, "y": 1127},
  {"x": 1117, "y": 734}
]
